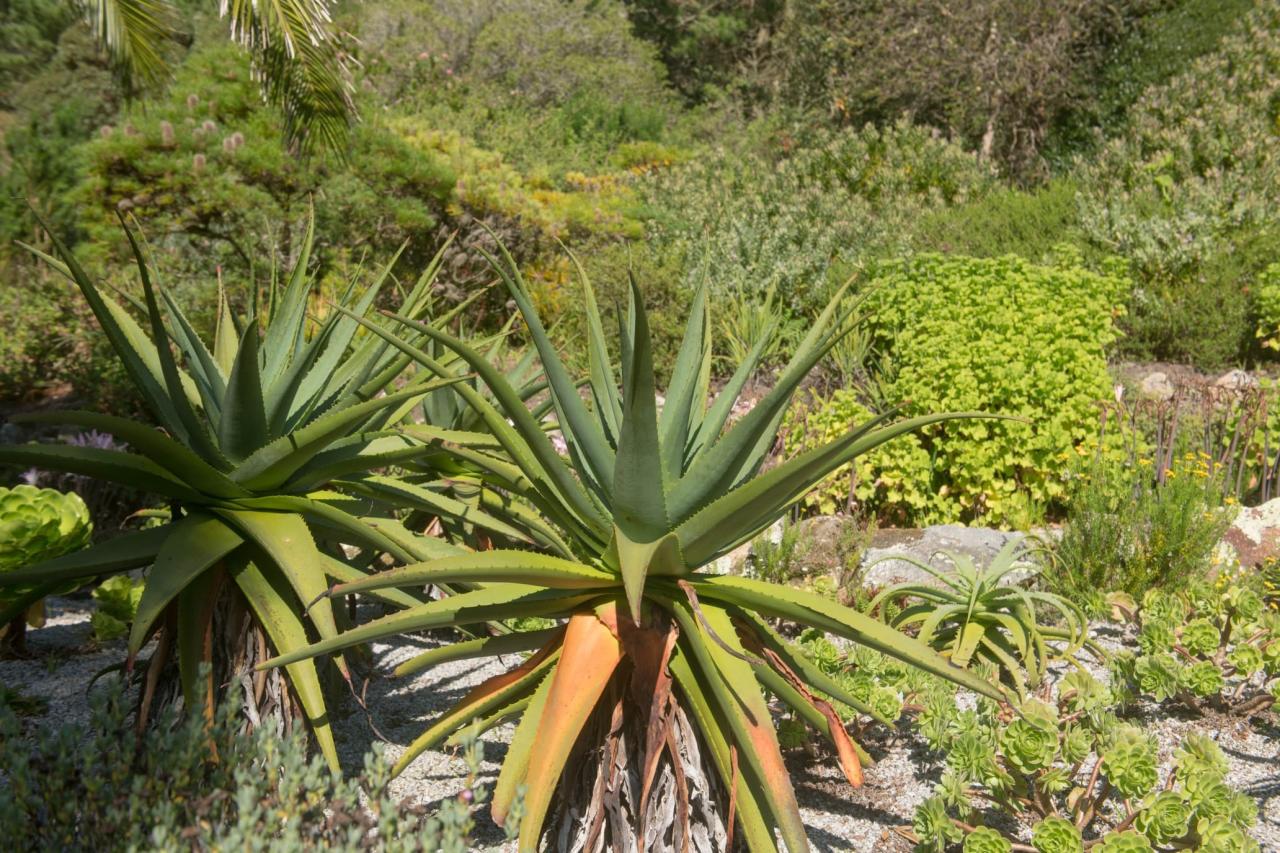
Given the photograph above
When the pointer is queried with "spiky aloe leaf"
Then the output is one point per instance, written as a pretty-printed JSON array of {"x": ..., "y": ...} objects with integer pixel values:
[{"x": 590, "y": 653}]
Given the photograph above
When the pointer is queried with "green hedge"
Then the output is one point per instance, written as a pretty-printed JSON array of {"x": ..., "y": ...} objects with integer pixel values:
[{"x": 997, "y": 335}]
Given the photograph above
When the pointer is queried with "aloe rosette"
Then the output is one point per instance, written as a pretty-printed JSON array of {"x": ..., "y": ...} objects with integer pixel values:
[
  {"x": 259, "y": 435},
  {"x": 647, "y": 500},
  {"x": 976, "y": 614}
]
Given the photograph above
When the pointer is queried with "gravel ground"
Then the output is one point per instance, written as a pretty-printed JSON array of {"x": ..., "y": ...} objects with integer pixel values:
[{"x": 837, "y": 818}]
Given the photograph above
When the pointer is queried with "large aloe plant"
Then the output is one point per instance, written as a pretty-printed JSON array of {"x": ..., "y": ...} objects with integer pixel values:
[
  {"x": 646, "y": 499},
  {"x": 254, "y": 431}
]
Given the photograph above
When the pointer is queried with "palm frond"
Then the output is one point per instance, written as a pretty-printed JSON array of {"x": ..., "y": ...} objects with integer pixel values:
[
  {"x": 132, "y": 32},
  {"x": 297, "y": 61}
]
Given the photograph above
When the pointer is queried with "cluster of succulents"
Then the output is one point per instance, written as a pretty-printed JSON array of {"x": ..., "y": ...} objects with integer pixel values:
[
  {"x": 1215, "y": 646},
  {"x": 1071, "y": 774},
  {"x": 36, "y": 524}
]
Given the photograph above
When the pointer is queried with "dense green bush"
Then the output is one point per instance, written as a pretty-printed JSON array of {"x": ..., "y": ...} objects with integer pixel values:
[
  {"x": 192, "y": 786},
  {"x": 1004, "y": 221},
  {"x": 205, "y": 171},
  {"x": 552, "y": 86},
  {"x": 1186, "y": 194},
  {"x": 750, "y": 224},
  {"x": 1125, "y": 532},
  {"x": 997, "y": 74},
  {"x": 997, "y": 335}
]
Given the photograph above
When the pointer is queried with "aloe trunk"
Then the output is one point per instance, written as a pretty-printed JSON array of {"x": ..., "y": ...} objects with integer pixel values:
[{"x": 598, "y": 808}]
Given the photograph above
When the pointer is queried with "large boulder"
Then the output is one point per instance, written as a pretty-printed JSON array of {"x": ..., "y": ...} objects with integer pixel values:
[
  {"x": 1156, "y": 386},
  {"x": 925, "y": 545},
  {"x": 1254, "y": 536}
]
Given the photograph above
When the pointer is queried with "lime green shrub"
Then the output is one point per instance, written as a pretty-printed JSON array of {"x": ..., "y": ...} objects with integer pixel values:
[
  {"x": 998, "y": 335},
  {"x": 487, "y": 184}
]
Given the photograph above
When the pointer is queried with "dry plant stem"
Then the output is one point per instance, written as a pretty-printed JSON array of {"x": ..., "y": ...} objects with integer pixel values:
[{"x": 1085, "y": 814}]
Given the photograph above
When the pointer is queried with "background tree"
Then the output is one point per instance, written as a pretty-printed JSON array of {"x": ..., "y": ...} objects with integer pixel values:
[{"x": 295, "y": 51}]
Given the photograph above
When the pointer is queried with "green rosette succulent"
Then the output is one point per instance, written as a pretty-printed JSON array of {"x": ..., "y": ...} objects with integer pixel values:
[
  {"x": 1199, "y": 757},
  {"x": 1160, "y": 606},
  {"x": 1246, "y": 603},
  {"x": 1219, "y": 835},
  {"x": 886, "y": 703},
  {"x": 986, "y": 840},
  {"x": 1158, "y": 676},
  {"x": 1081, "y": 692},
  {"x": 1200, "y": 636},
  {"x": 1156, "y": 637},
  {"x": 1077, "y": 743},
  {"x": 1271, "y": 657},
  {"x": 1244, "y": 810},
  {"x": 1130, "y": 762},
  {"x": 1246, "y": 659},
  {"x": 35, "y": 525},
  {"x": 933, "y": 827},
  {"x": 40, "y": 524},
  {"x": 1031, "y": 741},
  {"x": 971, "y": 757},
  {"x": 1056, "y": 835},
  {"x": 1165, "y": 819},
  {"x": 1129, "y": 841},
  {"x": 1209, "y": 797},
  {"x": 118, "y": 598},
  {"x": 1203, "y": 678}
]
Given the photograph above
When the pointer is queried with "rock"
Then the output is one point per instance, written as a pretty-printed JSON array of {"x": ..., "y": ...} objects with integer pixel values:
[
  {"x": 1237, "y": 380},
  {"x": 924, "y": 546},
  {"x": 829, "y": 542},
  {"x": 1254, "y": 536},
  {"x": 1156, "y": 386}
]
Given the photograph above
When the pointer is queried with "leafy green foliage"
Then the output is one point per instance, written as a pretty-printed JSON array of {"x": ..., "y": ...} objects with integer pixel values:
[
  {"x": 1214, "y": 646},
  {"x": 1267, "y": 304},
  {"x": 213, "y": 786},
  {"x": 206, "y": 167},
  {"x": 1127, "y": 532},
  {"x": 995, "y": 335},
  {"x": 746, "y": 222},
  {"x": 974, "y": 614}
]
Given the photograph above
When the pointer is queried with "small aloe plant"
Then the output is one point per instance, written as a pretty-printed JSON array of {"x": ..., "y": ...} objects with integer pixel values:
[
  {"x": 979, "y": 614},
  {"x": 646, "y": 500},
  {"x": 258, "y": 433}
]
